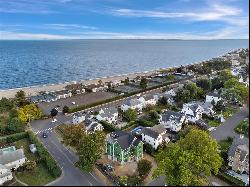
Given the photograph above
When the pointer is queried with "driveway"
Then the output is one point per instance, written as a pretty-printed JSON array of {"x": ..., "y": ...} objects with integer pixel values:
[{"x": 227, "y": 128}]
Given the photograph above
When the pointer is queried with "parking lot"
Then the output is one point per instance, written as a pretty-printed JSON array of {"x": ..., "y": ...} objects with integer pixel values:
[{"x": 82, "y": 99}]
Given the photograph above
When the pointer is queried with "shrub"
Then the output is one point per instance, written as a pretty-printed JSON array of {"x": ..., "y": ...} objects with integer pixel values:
[
  {"x": 108, "y": 127},
  {"x": 45, "y": 156},
  {"x": 12, "y": 138},
  {"x": 148, "y": 148},
  {"x": 144, "y": 167}
]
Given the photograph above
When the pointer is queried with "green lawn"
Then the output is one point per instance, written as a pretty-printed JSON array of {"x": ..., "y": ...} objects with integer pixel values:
[
  {"x": 213, "y": 123},
  {"x": 243, "y": 127},
  {"x": 225, "y": 145},
  {"x": 40, "y": 175}
]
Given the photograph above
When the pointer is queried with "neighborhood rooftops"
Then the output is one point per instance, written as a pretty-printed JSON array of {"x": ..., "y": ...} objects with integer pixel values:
[
  {"x": 132, "y": 102},
  {"x": 108, "y": 112},
  {"x": 213, "y": 94},
  {"x": 170, "y": 115},
  {"x": 74, "y": 86},
  {"x": 154, "y": 132},
  {"x": 124, "y": 139}
]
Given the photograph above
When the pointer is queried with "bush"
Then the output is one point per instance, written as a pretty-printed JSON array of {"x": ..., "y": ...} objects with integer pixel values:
[
  {"x": 144, "y": 167},
  {"x": 13, "y": 138},
  {"x": 230, "y": 179},
  {"x": 145, "y": 123},
  {"x": 45, "y": 156},
  {"x": 148, "y": 148},
  {"x": 108, "y": 127}
]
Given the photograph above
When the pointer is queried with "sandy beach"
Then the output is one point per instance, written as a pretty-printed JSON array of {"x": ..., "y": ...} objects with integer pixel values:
[{"x": 34, "y": 90}]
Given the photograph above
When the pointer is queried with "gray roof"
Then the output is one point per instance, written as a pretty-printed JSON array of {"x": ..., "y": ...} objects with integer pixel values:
[
  {"x": 154, "y": 131},
  {"x": 88, "y": 122},
  {"x": 148, "y": 97},
  {"x": 132, "y": 102},
  {"x": 124, "y": 139},
  {"x": 241, "y": 144},
  {"x": 8, "y": 157},
  {"x": 170, "y": 115},
  {"x": 108, "y": 112},
  {"x": 214, "y": 94}
]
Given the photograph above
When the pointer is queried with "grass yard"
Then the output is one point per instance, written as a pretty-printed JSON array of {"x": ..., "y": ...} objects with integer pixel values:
[
  {"x": 225, "y": 144},
  {"x": 243, "y": 127},
  {"x": 214, "y": 123},
  {"x": 37, "y": 177}
]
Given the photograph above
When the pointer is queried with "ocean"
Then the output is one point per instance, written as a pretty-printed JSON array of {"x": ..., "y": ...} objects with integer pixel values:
[{"x": 29, "y": 63}]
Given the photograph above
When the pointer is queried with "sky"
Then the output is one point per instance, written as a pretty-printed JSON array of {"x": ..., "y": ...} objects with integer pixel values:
[{"x": 124, "y": 19}]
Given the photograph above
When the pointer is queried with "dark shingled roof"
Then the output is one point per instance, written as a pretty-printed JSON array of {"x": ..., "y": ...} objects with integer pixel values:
[
  {"x": 124, "y": 139},
  {"x": 154, "y": 131},
  {"x": 170, "y": 115}
]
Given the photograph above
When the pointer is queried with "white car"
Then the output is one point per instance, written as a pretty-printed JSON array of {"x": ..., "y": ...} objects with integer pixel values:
[
  {"x": 54, "y": 120},
  {"x": 73, "y": 103},
  {"x": 212, "y": 129}
]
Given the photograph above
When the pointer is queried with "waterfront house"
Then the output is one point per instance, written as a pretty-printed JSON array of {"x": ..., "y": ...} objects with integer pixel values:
[
  {"x": 213, "y": 96},
  {"x": 109, "y": 115},
  {"x": 91, "y": 125},
  {"x": 123, "y": 147},
  {"x": 12, "y": 158},
  {"x": 79, "y": 117},
  {"x": 5, "y": 174},
  {"x": 238, "y": 154},
  {"x": 95, "y": 87},
  {"x": 61, "y": 94},
  {"x": 172, "y": 120},
  {"x": 155, "y": 135},
  {"x": 75, "y": 88},
  {"x": 134, "y": 104},
  {"x": 192, "y": 111}
]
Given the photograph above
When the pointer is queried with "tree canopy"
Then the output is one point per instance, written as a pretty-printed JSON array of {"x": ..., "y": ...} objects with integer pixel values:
[
  {"x": 144, "y": 83},
  {"x": 29, "y": 112},
  {"x": 130, "y": 115},
  {"x": 190, "y": 160}
]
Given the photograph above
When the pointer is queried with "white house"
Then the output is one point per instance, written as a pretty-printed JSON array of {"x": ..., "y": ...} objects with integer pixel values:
[
  {"x": 172, "y": 120},
  {"x": 5, "y": 174},
  {"x": 92, "y": 125},
  {"x": 95, "y": 87},
  {"x": 213, "y": 96},
  {"x": 10, "y": 159},
  {"x": 60, "y": 94},
  {"x": 79, "y": 117},
  {"x": 155, "y": 135},
  {"x": 171, "y": 92},
  {"x": 109, "y": 115},
  {"x": 150, "y": 99},
  {"x": 133, "y": 104},
  {"x": 207, "y": 107},
  {"x": 192, "y": 111},
  {"x": 75, "y": 88}
]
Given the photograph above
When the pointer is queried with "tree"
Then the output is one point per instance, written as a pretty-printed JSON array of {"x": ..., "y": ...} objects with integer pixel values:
[
  {"x": 153, "y": 114},
  {"x": 183, "y": 96},
  {"x": 144, "y": 83},
  {"x": 219, "y": 106},
  {"x": 148, "y": 148},
  {"x": 134, "y": 180},
  {"x": 216, "y": 83},
  {"x": 225, "y": 75},
  {"x": 190, "y": 160},
  {"x": 53, "y": 112},
  {"x": 205, "y": 84},
  {"x": 13, "y": 113},
  {"x": 126, "y": 81},
  {"x": 73, "y": 135},
  {"x": 144, "y": 167},
  {"x": 65, "y": 109},
  {"x": 124, "y": 180},
  {"x": 20, "y": 98},
  {"x": 29, "y": 112},
  {"x": 6, "y": 105},
  {"x": 163, "y": 101},
  {"x": 170, "y": 78},
  {"x": 14, "y": 125},
  {"x": 130, "y": 115},
  {"x": 90, "y": 150}
]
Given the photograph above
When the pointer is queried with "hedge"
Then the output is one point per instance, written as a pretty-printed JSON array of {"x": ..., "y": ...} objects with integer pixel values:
[
  {"x": 232, "y": 180},
  {"x": 108, "y": 127},
  {"x": 13, "y": 138},
  {"x": 45, "y": 156}
]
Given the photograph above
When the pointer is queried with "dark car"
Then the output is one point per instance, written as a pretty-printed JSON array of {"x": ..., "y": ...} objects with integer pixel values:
[{"x": 45, "y": 135}]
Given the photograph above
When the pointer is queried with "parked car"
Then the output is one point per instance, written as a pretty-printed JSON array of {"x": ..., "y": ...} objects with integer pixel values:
[
  {"x": 45, "y": 135},
  {"x": 73, "y": 103},
  {"x": 54, "y": 120}
]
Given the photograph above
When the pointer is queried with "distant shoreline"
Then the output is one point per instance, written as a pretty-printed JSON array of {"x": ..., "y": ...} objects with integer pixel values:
[{"x": 33, "y": 90}]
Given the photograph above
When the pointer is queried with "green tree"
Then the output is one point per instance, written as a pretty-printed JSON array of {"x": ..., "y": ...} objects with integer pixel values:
[
  {"x": 6, "y": 105},
  {"x": 30, "y": 165},
  {"x": 144, "y": 167},
  {"x": 183, "y": 95},
  {"x": 130, "y": 115},
  {"x": 20, "y": 98},
  {"x": 91, "y": 149},
  {"x": 13, "y": 113},
  {"x": 170, "y": 78},
  {"x": 216, "y": 83},
  {"x": 144, "y": 83},
  {"x": 65, "y": 109},
  {"x": 190, "y": 160},
  {"x": 153, "y": 115},
  {"x": 14, "y": 125},
  {"x": 205, "y": 84},
  {"x": 126, "y": 81},
  {"x": 53, "y": 112},
  {"x": 73, "y": 134},
  {"x": 219, "y": 106},
  {"x": 29, "y": 112}
]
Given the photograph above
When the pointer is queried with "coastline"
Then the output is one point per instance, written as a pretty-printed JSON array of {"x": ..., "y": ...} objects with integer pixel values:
[{"x": 34, "y": 90}]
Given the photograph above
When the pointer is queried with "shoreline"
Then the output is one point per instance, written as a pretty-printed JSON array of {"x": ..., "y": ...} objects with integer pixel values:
[{"x": 33, "y": 90}]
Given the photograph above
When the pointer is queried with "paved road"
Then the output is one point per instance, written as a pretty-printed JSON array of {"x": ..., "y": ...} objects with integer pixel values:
[
  {"x": 160, "y": 181},
  {"x": 227, "y": 128}
]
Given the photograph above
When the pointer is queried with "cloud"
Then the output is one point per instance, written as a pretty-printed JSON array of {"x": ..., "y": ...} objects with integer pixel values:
[{"x": 69, "y": 26}]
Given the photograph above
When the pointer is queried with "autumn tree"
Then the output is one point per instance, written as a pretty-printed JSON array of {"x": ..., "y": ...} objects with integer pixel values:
[
  {"x": 29, "y": 112},
  {"x": 189, "y": 161}
]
